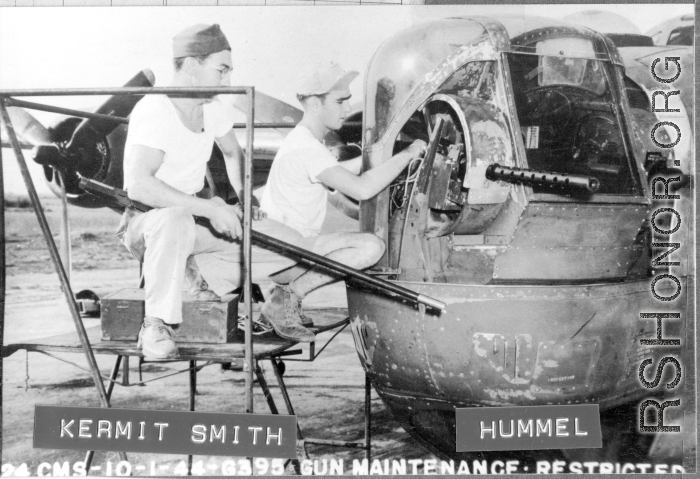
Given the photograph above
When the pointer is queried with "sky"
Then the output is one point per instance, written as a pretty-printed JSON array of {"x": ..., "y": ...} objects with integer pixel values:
[{"x": 76, "y": 47}]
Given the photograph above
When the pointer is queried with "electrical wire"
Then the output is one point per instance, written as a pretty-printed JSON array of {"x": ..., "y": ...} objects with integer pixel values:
[{"x": 410, "y": 178}]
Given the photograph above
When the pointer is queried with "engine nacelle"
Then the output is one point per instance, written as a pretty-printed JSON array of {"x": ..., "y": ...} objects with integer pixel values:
[{"x": 91, "y": 148}]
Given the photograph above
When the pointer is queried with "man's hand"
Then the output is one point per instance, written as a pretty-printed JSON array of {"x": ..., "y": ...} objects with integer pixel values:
[
  {"x": 258, "y": 214},
  {"x": 218, "y": 200},
  {"x": 417, "y": 148},
  {"x": 225, "y": 220}
]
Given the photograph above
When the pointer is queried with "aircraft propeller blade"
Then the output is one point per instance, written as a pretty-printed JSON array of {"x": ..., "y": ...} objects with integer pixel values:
[
  {"x": 28, "y": 128},
  {"x": 22, "y": 144},
  {"x": 116, "y": 105},
  {"x": 79, "y": 152}
]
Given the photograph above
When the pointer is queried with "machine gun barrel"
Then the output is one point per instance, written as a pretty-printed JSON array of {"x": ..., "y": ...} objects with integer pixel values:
[
  {"x": 348, "y": 271},
  {"x": 496, "y": 172},
  {"x": 119, "y": 196}
]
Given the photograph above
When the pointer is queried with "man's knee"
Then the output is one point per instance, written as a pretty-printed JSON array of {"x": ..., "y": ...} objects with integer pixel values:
[
  {"x": 373, "y": 246},
  {"x": 174, "y": 225},
  {"x": 175, "y": 220}
]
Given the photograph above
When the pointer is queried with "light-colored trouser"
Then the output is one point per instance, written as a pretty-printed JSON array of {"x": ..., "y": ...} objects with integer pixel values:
[{"x": 164, "y": 238}]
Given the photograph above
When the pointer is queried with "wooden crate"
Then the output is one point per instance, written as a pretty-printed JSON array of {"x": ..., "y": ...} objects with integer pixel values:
[{"x": 203, "y": 321}]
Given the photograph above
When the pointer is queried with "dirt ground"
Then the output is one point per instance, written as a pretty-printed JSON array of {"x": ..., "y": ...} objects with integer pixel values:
[{"x": 327, "y": 394}]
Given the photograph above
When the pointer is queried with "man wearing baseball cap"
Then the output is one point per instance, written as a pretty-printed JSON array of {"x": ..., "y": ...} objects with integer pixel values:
[
  {"x": 296, "y": 194},
  {"x": 169, "y": 143}
]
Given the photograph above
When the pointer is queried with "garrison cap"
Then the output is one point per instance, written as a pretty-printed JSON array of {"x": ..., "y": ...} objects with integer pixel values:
[
  {"x": 199, "y": 40},
  {"x": 322, "y": 77}
]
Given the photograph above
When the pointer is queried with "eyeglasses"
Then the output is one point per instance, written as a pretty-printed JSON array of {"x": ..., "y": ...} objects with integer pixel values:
[{"x": 223, "y": 71}]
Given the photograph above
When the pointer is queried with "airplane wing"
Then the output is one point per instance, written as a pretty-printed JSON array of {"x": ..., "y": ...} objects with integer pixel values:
[
  {"x": 270, "y": 110},
  {"x": 267, "y": 110}
]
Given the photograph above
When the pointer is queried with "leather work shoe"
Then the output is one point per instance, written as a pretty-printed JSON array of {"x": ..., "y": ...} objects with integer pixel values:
[
  {"x": 157, "y": 340},
  {"x": 281, "y": 310},
  {"x": 305, "y": 320},
  {"x": 204, "y": 294}
]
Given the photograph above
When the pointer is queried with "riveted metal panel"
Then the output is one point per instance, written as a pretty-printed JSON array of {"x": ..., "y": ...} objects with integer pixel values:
[
  {"x": 572, "y": 242},
  {"x": 504, "y": 346}
]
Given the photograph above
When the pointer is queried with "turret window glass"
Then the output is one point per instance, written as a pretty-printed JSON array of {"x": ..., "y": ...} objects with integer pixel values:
[{"x": 568, "y": 116}]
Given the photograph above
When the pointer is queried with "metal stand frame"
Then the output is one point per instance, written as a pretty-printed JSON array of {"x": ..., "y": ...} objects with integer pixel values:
[
  {"x": 6, "y": 100},
  {"x": 125, "y": 349},
  {"x": 301, "y": 440},
  {"x": 251, "y": 365}
]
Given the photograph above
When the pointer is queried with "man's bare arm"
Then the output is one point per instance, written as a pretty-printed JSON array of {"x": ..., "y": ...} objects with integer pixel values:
[
  {"x": 233, "y": 159},
  {"x": 354, "y": 166},
  {"x": 145, "y": 188},
  {"x": 371, "y": 182}
]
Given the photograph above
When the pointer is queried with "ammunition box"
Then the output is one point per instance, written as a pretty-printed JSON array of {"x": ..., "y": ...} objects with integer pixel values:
[{"x": 202, "y": 321}]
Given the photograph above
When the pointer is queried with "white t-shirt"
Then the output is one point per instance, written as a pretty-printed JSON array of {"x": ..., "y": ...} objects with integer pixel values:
[
  {"x": 293, "y": 194},
  {"x": 154, "y": 123}
]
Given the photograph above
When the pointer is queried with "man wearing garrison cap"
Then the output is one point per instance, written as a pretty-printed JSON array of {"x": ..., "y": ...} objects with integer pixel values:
[
  {"x": 169, "y": 143},
  {"x": 296, "y": 192}
]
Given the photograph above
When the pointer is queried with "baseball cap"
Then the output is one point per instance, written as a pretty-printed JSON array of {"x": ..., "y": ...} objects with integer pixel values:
[
  {"x": 323, "y": 77},
  {"x": 199, "y": 40}
]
